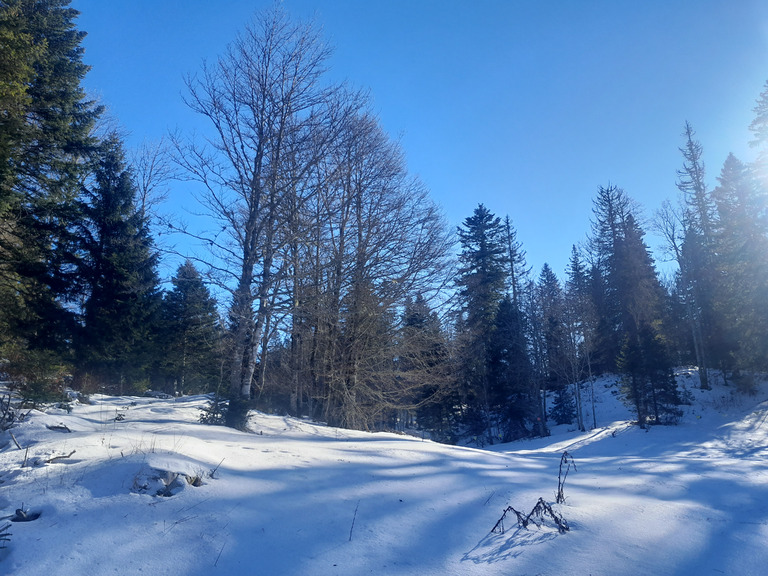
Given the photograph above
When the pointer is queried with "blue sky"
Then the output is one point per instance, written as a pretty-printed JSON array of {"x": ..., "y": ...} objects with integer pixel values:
[{"x": 525, "y": 106}]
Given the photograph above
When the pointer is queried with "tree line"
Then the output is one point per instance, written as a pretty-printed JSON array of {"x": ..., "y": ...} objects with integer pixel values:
[{"x": 344, "y": 295}]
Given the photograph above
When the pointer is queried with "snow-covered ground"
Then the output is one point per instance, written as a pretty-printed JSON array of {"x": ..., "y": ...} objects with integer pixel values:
[{"x": 295, "y": 498}]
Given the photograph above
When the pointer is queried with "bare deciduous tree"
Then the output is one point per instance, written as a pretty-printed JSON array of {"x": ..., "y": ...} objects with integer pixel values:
[{"x": 272, "y": 121}]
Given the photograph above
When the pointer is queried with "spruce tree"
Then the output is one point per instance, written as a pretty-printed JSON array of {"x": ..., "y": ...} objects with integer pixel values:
[
  {"x": 483, "y": 265},
  {"x": 549, "y": 342},
  {"x": 481, "y": 281},
  {"x": 511, "y": 397},
  {"x": 191, "y": 335},
  {"x": 697, "y": 280},
  {"x": 643, "y": 359},
  {"x": 742, "y": 264},
  {"x": 759, "y": 129},
  {"x": 580, "y": 326},
  {"x": 423, "y": 365},
  {"x": 45, "y": 143},
  {"x": 118, "y": 268},
  {"x": 611, "y": 209}
]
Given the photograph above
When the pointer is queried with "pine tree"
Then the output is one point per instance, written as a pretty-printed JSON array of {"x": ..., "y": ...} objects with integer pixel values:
[
  {"x": 118, "y": 267},
  {"x": 518, "y": 268},
  {"x": 191, "y": 335},
  {"x": 18, "y": 53}
]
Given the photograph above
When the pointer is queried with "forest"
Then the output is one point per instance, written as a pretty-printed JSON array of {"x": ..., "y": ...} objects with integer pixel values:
[{"x": 332, "y": 287}]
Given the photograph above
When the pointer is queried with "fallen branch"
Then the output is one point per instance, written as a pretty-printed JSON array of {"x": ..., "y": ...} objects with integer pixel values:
[
  {"x": 354, "y": 517},
  {"x": 15, "y": 441},
  {"x": 62, "y": 457},
  {"x": 59, "y": 428}
]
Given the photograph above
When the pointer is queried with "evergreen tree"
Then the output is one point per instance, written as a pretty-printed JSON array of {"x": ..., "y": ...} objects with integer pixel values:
[
  {"x": 511, "y": 398},
  {"x": 551, "y": 309},
  {"x": 483, "y": 266},
  {"x": 424, "y": 367},
  {"x": 481, "y": 280},
  {"x": 191, "y": 335},
  {"x": 643, "y": 361},
  {"x": 563, "y": 407},
  {"x": 518, "y": 268},
  {"x": 612, "y": 209},
  {"x": 18, "y": 54},
  {"x": 547, "y": 337},
  {"x": 44, "y": 144},
  {"x": 759, "y": 129},
  {"x": 696, "y": 256},
  {"x": 580, "y": 326},
  {"x": 115, "y": 347},
  {"x": 742, "y": 265}
]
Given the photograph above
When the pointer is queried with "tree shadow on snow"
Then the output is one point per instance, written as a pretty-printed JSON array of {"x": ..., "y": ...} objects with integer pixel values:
[{"x": 500, "y": 547}]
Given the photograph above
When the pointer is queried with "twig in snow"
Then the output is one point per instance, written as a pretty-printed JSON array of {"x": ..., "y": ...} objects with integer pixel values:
[
  {"x": 354, "y": 517},
  {"x": 219, "y": 556},
  {"x": 568, "y": 460},
  {"x": 176, "y": 523},
  {"x": 217, "y": 467},
  {"x": 62, "y": 457}
]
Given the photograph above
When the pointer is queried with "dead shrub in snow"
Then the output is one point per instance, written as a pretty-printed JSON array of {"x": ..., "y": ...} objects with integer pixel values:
[
  {"x": 538, "y": 515},
  {"x": 542, "y": 510}
]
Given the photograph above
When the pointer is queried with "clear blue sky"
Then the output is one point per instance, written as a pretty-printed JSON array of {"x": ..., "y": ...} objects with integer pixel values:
[{"x": 525, "y": 106}]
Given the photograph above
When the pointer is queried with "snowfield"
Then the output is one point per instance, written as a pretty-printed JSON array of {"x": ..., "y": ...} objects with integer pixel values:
[{"x": 137, "y": 486}]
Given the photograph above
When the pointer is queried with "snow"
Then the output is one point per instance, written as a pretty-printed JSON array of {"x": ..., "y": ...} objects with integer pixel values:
[{"x": 297, "y": 498}]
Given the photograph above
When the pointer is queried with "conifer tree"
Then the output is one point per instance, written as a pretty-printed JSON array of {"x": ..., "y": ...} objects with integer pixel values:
[
  {"x": 191, "y": 335},
  {"x": 611, "y": 209},
  {"x": 546, "y": 319},
  {"x": 580, "y": 325},
  {"x": 424, "y": 366},
  {"x": 696, "y": 256},
  {"x": 742, "y": 264},
  {"x": 483, "y": 263},
  {"x": 44, "y": 144},
  {"x": 118, "y": 267},
  {"x": 759, "y": 129},
  {"x": 643, "y": 359},
  {"x": 511, "y": 394},
  {"x": 481, "y": 281}
]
